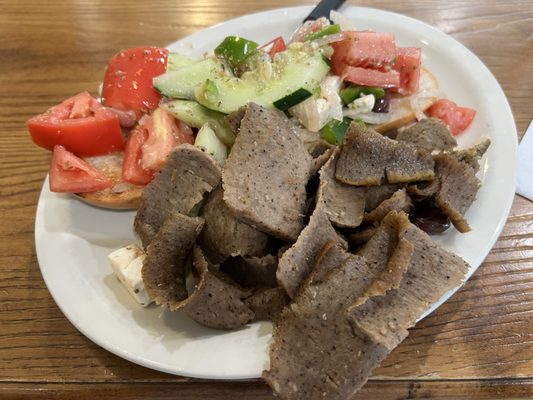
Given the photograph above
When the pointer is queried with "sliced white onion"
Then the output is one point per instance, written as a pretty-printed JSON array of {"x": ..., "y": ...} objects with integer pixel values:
[
  {"x": 308, "y": 27},
  {"x": 369, "y": 117},
  {"x": 345, "y": 23},
  {"x": 328, "y": 39}
]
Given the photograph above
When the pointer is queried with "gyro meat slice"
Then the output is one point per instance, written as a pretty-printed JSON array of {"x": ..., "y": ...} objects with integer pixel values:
[
  {"x": 298, "y": 261},
  {"x": 163, "y": 270},
  {"x": 429, "y": 134},
  {"x": 267, "y": 303},
  {"x": 458, "y": 189},
  {"x": 368, "y": 158},
  {"x": 330, "y": 257},
  {"x": 180, "y": 185},
  {"x": 319, "y": 161},
  {"x": 265, "y": 175},
  {"x": 375, "y": 195},
  {"x": 225, "y": 236},
  {"x": 315, "y": 353},
  {"x": 432, "y": 271},
  {"x": 217, "y": 301},
  {"x": 252, "y": 272},
  {"x": 344, "y": 204},
  {"x": 399, "y": 201},
  {"x": 422, "y": 190},
  {"x": 472, "y": 155}
]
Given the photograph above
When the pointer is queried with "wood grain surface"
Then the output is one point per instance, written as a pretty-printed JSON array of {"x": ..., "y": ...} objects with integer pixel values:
[{"x": 478, "y": 345}]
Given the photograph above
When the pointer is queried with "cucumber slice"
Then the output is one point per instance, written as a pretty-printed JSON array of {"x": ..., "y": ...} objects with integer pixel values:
[
  {"x": 207, "y": 140},
  {"x": 291, "y": 70},
  {"x": 180, "y": 83},
  {"x": 196, "y": 115},
  {"x": 292, "y": 99},
  {"x": 177, "y": 60}
]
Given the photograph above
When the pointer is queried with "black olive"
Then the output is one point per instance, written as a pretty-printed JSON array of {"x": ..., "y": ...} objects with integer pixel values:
[
  {"x": 430, "y": 218},
  {"x": 382, "y": 105}
]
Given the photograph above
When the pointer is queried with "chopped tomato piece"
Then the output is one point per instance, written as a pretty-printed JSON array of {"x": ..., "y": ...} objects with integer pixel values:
[
  {"x": 80, "y": 124},
  {"x": 364, "y": 49},
  {"x": 132, "y": 170},
  {"x": 150, "y": 143},
  {"x": 128, "y": 78},
  {"x": 71, "y": 174},
  {"x": 407, "y": 63},
  {"x": 276, "y": 46},
  {"x": 371, "y": 77},
  {"x": 163, "y": 135},
  {"x": 457, "y": 118}
]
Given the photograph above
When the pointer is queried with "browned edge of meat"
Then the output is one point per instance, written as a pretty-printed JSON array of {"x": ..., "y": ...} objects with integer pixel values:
[
  {"x": 399, "y": 201},
  {"x": 375, "y": 195}
]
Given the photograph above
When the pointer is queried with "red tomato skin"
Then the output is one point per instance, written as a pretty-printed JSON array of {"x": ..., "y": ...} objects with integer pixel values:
[
  {"x": 161, "y": 142},
  {"x": 407, "y": 63},
  {"x": 71, "y": 174},
  {"x": 128, "y": 79},
  {"x": 132, "y": 170},
  {"x": 278, "y": 45},
  {"x": 365, "y": 49},
  {"x": 80, "y": 124},
  {"x": 370, "y": 77},
  {"x": 456, "y": 117},
  {"x": 158, "y": 144}
]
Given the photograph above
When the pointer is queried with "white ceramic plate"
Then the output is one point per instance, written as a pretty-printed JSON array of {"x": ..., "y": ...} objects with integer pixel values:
[{"x": 73, "y": 239}]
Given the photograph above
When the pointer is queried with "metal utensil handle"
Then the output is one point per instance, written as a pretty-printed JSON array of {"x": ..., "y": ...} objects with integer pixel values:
[{"x": 323, "y": 8}]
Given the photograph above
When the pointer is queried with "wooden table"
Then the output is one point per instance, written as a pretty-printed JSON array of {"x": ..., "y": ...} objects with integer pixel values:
[{"x": 479, "y": 345}]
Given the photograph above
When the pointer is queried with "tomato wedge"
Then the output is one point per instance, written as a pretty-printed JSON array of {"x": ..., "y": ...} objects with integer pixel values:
[
  {"x": 132, "y": 170},
  {"x": 150, "y": 143},
  {"x": 276, "y": 46},
  {"x": 80, "y": 124},
  {"x": 163, "y": 135},
  {"x": 71, "y": 174},
  {"x": 365, "y": 49},
  {"x": 371, "y": 77},
  {"x": 407, "y": 63},
  {"x": 128, "y": 79},
  {"x": 456, "y": 117}
]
